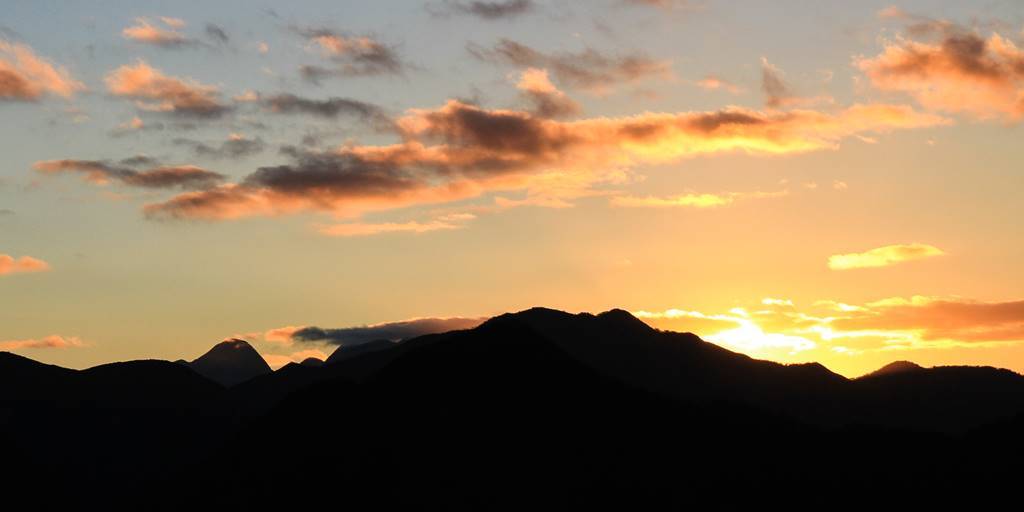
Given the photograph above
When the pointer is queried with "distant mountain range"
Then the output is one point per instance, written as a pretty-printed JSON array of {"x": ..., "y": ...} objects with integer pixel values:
[{"x": 534, "y": 408}]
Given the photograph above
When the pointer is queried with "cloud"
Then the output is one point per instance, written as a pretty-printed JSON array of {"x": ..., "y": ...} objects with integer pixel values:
[
  {"x": 24, "y": 76},
  {"x": 443, "y": 223},
  {"x": 490, "y": 11},
  {"x": 588, "y": 69},
  {"x": 6, "y": 211},
  {"x": 145, "y": 32},
  {"x": 24, "y": 264},
  {"x": 160, "y": 93},
  {"x": 217, "y": 33},
  {"x": 934, "y": 318},
  {"x": 101, "y": 171},
  {"x": 883, "y": 256},
  {"x": 351, "y": 55},
  {"x": 714, "y": 83},
  {"x": 691, "y": 200},
  {"x": 779, "y": 327},
  {"x": 330, "y": 108},
  {"x": 962, "y": 72},
  {"x": 779, "y": 94},
  {"x": 392, "y": 331},
  {"x": 663, "y": 4},
  {"x": 460, "y": 151},
  {"x": 53, "y": 341},
  {"x": 546, "y": 99},
  {"x": 236, "y": 146}
]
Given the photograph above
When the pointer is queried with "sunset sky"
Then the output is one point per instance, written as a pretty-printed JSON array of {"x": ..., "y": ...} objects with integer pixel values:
[{"x": 799, "y": 181}]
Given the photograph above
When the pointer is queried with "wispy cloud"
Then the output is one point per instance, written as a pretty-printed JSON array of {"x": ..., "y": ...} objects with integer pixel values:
[
  {"x": 883, "y": 256},
  {"x": 590, "y": 69},
  {"x": 101, "y": 172},
  {"x": 53, "y": 341},
  {"x": 691, "y": 200}
]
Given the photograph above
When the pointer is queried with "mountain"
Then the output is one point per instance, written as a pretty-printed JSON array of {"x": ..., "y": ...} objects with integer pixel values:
[
  {"x": 344, "y": 352},
  {"x": 894, "y": 368},
  {"x": 531, "y": 409},
  {"x": 539, "y": 409},
  {"x": 231, "y": 362}
]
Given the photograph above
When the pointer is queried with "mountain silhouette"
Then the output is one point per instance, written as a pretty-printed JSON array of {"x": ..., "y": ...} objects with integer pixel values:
[
  {"x": 893, "y": 368},
  {"x": 231, "y": 362},
  {"x": 539, "y": 408},
  {"x": 344, "y": 352}
]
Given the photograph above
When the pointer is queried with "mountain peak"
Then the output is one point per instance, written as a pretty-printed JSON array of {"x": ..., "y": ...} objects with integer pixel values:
[
  {"x": 894, "y": 368},
  {"x": 230, "y": 362}
]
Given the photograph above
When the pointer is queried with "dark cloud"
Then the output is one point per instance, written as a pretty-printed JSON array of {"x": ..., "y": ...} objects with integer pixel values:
[
  {"x": 588, "y": 69},
  {"x": 98, "y": 171},
  {"x": 217, "y": 34},
  {"x": 459, "y": 151},
  {"x": 235, "y": 147},
  {"x": 5, "y": 212},
  {"x": 777, "y": 92},
  {"x": 351, "y": 55},
  {"x": 394, "y": 331},
  {"x": 329, "y": 108},
  {"x": 485, "y": 10},
  {"x": 139, "y": 161}
]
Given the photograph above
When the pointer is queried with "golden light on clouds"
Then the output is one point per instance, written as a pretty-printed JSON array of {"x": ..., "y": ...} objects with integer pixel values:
[
  {"x": 781, "y": 330},
  {"x": 883, "y": 256}
]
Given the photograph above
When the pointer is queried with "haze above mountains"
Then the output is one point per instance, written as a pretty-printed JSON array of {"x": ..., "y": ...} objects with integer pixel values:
[{"x": 551, "y": 404}]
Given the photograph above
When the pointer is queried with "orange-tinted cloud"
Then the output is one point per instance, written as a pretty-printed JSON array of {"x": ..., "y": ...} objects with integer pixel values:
[
  {"x": 444, "y": 223},
  {"x": 53, "y": 341},
  {"x": 691, "y": 200},
  {"x": 883, "y": 256},
  {"x": 145, "y": 32},
  {"x": 714, "y": 83},
  {"x": 160, "y": 93},
  {"x": 459, "y": 151},
  {"x": 101, "y": 172},
  {"x": 546, "y": 99},
  {"x": 351, "y": 55},
  {"x": 780, "y": 328},
  {"x": 24, "y": 76},
  {"x": 24, "y": 264},
  {"x": 935, "y": 318},
  {"x": 962, "y": 72}
]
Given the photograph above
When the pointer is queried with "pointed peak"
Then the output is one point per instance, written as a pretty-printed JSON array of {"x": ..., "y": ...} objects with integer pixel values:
[{"x": 235, "y": 343}]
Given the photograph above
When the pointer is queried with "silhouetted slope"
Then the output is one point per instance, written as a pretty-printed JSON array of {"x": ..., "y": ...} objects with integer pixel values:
[
  {"x": 945, "y": 398},
  {"x": 344, "y": 352},
  {"x": 231, "y": 362},
  {"x": 22, "y": 379}
]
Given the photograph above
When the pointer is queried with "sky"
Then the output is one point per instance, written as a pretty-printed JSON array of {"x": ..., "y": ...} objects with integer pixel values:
[{"x": 802, "y": 181}]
